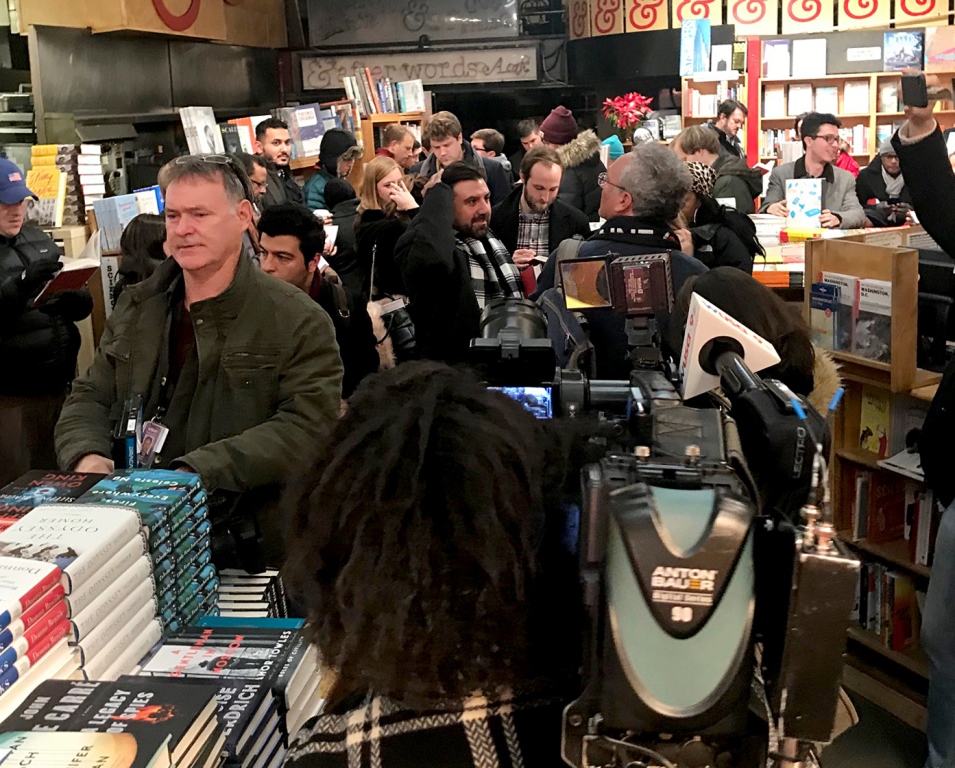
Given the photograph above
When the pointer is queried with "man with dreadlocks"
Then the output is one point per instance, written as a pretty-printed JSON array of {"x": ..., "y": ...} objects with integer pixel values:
[{"x": 430, "y": 560}]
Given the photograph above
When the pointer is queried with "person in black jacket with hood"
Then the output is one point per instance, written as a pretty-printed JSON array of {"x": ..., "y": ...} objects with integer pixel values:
[
  {"x": 580, "y": 155},
  {"x": 722, "y": 237},
  {"x": 38, "y": 344}
]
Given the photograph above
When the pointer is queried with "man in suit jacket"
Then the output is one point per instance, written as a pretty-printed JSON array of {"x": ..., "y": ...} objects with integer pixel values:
[
  {"x": 841, "y": 207},
  {"x": 531, "y": 222}
]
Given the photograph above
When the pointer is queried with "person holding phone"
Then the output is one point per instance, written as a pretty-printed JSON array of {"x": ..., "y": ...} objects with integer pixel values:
[{"x": 923, "y": 159}]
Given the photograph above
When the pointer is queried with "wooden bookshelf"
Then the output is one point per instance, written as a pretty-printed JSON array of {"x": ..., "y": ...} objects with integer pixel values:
[
  {"x": 371, "y": 123},
  {"x": 872, "y": 118},
  {"x": 718, "y": 88},
  {"x": 893, "y": 679}
]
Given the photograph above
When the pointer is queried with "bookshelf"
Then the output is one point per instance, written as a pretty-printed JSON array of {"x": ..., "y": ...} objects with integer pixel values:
[
  {"x": 370, "y": 125},
  {"x": 702, "y": 96},
  {"x": 862, "y": 101},
  {"x": 892, "y": 675}
]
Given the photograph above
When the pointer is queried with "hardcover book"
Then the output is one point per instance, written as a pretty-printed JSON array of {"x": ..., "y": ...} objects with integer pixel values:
[
  {"x": 22, "y": 584},
  {"x": 875, "y": 420},
  {"x": 886, "y": 519},
  {"x": 159, "y": 713},
  {"x": 77, "y": 538},
  {"x": 872, "y": 337},
  {"x": 80, "y": 750},
  {"x": 902, "y": 50},
  {"x": 88, "y": 593}
]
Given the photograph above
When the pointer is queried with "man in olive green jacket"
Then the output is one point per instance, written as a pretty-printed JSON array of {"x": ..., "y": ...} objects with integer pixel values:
[{"x": 241, "y": 368}]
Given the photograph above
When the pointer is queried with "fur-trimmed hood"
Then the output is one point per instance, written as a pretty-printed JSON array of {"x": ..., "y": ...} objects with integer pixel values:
[
  {"x": 585, "y": 146},
  {"x": 826, "y": 380}
]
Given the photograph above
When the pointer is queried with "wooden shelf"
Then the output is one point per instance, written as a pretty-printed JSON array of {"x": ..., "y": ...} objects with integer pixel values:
[
  {"x": 872, "y": 683},
  {"x": 913, "y": 658},
  {"x": 300, "y": 163},
  {"x": 863, "y": 458},
  {"x": 393, "y": 117},
  {"x": 893, "y": 552},
  {"x": 810, "y": 80}
]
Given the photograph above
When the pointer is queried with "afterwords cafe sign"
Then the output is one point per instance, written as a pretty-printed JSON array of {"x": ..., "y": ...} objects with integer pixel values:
[{"x": 431, "y": 67}]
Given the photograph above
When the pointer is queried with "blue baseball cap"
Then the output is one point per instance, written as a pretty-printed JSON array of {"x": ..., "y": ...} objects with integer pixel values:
[{"x": 13, "y": 186}]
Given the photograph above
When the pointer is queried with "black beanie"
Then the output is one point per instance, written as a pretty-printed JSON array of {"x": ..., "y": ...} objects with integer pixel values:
[{"x": 334, "y": 144}]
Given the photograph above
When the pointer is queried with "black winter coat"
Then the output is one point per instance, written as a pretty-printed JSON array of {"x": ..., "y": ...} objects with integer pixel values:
[
  {"x": 581, "y": 160},
  {"x": 374, "y": 228},
  {"x": 565, "y": 222},
  {"x": 498, "y": 179},
  {"x": 38, "y": 346},
  {"x": 436, "y": 272}
]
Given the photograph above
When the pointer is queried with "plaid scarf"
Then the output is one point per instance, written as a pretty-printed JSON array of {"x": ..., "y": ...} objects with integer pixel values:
[
  {"x": 512, "y": 730},
  {"x": 493, "y": 275}
]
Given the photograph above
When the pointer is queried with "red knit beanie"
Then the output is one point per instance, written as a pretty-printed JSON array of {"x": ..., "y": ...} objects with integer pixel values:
[{"x": 559, "y": 127}]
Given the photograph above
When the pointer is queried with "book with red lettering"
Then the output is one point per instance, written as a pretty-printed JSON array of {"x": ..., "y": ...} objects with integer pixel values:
[
  {"x": 78, "y": 538},
  {"x": 22, "y": 584},
  {"x": 251, "y": 664},
  {"x": 157, "y": 712}
]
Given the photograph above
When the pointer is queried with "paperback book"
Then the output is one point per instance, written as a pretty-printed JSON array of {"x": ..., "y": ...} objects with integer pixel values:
[{"x": 872, "y": 337}]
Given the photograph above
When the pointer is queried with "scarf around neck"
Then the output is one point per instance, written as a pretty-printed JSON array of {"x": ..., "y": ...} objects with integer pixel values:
[
  {"x": 493, "y": 274},
  {"x": 893, "y": 186}
]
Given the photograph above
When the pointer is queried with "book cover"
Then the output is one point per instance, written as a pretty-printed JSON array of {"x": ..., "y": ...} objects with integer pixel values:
[
  {"x": 925, "y": 521},
  {"x": 47, "y": 607},
  {"x": 799, "y": 99},
  {"x": 809, "y": 57},
  {"x": 903, "y": 612},
  {"x": 875, "y": 419},
  {"x": 855, "y": 97},
  {"x": 157, "y": 712},
  {"x": 39, "y": 486},
  {"x": 848, "y": 307},
  {"x": 776, "y": 59},
  {"x": 888, "y": 97},
  {"x": 860, "y": 505},
  {"x": 804, "y": 201},
  {"x": 886, "y": 519},
  {"x": 202, "y": 131},
  {"x": 902, "y": 50},
  {"x": 134, "y": 581},
  {"x": 48, "y": 184},
  {"x": 307, "y": 129},
  {"x": 77, "y": 538},
  {"x": 872, "y": 337},
  {"x": 76, "y": 273},
  {"x": 80, "y": 750},
  {"x": 827, "y": 99},
  {"x": 940, "y": 49},
  {"x": 23, "y": 583},
  {"x": 695, "y": 42},
  {"x": 823, "y": 307},
  {"x": 231, "y": 140}
]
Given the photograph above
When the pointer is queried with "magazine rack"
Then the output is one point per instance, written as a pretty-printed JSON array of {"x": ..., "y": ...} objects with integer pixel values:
[{"x": 896, "y": 265}]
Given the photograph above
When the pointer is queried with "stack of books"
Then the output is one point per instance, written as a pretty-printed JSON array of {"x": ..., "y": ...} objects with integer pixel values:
[
  {"x": 54, "y": 178},
  {"x": 38, "y": 487},
  {"x": 92, "y": 172},
  {"x": 172, "y": 510},
  {"x": 95, "y": 552},
  {"x": 252, "y": 596},
  {"x": 147, "y": 721},
  {"x": 269, "y": 678},
  {"x": 33, "y": 628}
]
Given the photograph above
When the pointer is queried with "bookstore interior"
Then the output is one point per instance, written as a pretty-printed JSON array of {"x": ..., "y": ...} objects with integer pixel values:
[{"x": 111, "y": 588}]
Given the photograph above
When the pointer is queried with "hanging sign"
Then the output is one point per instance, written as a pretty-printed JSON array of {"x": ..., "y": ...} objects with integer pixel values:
[
  {"x": 753, "y": 17},
  {"x": 645, "y": 15},
  {"x": 807, "y": 16},
  {"x": 606, "y": 17},
  {"x": 578, "y": 17}
]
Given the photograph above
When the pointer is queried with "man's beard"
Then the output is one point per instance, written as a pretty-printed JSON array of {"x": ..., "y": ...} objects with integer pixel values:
[
  {"x": 476, "y": 228},
  {"x": 534, "y": 207}
]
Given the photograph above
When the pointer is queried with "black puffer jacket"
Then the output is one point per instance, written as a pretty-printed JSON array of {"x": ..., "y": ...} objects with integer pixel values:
[
  {"x": 581, "y": 160},
  {"x": 373, "y": 228},
  {"x": 38, "y": 346}
]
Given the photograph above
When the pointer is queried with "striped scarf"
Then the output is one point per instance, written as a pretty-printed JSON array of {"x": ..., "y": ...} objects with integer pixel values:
[{"x": 493, "y": 274}]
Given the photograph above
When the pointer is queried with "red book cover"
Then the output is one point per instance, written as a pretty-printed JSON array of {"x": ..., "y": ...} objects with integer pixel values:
[
  {"x": 886, "y": 519},
  {"x": 374, "y": 91}
]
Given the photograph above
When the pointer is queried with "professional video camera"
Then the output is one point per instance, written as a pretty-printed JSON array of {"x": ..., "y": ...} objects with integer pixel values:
[{"x": 716, "y": 595}]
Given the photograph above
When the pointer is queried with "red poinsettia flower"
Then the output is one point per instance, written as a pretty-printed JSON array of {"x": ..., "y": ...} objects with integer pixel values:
[{"x": 628, "y": 110}]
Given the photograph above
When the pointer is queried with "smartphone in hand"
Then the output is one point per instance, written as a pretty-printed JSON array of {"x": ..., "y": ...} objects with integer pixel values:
[{"x": 914, "y": 90}]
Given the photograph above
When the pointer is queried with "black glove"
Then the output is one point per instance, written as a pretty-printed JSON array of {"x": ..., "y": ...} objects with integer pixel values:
[
  {"x": 35, "y": 276},
  {"x": 70, "y": 305}
]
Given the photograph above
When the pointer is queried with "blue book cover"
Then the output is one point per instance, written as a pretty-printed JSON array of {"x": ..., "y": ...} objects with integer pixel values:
[
  {"x": 902, "y": 50},
  {"x": 228, "y": 621}
]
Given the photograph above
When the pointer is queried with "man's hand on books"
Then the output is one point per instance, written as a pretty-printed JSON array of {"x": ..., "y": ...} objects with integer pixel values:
[
  {"x": 778, "y": 209},
  {"x": 93, "y": 462}
]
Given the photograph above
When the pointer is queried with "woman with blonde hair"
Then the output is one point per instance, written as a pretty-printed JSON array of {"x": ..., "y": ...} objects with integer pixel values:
[{"x": 385, "y": 209}]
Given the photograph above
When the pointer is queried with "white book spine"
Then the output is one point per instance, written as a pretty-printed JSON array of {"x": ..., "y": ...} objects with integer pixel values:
[
  {"x": 135, "y": 651},
  {"x": 129, "y": 583},
  {"x": 84, "y": 596},
  {"x": 103, "y": 631},
  {"x": 97, "y": 661}
]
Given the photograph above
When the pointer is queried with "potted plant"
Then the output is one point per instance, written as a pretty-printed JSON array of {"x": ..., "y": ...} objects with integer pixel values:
[{"x": 627, "y": 112}]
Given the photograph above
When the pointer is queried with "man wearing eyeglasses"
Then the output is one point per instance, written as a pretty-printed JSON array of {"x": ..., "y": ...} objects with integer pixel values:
[
  {"x": 240, "y": 371},
  {"x": 840, "y": 205}
]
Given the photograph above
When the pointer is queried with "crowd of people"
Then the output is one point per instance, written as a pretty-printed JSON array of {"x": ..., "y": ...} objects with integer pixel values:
[{"x": 270, "y": 355}]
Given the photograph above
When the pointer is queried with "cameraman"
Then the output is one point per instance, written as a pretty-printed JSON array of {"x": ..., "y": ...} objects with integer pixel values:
[
  {"x": 931, "y": 183},
  {"x": 428, "y": 551}
]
